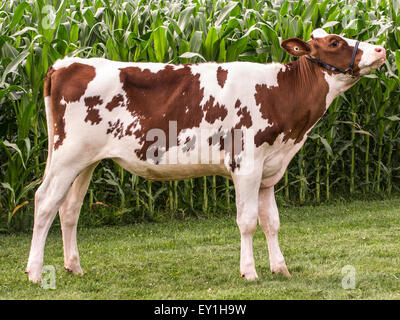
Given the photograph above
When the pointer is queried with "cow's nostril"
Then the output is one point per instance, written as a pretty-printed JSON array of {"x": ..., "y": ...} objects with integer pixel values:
[{"x": 380, "y": 50}]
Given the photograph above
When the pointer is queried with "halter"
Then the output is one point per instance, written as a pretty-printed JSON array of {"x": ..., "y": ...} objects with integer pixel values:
[{"x": 349, "y": 70}]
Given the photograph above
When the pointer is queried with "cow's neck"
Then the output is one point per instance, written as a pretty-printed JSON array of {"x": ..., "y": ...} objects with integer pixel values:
[
  {"x": 307, "y": 82},
  {"x": 294, "y": 106},
  {"x": 303, "y": 74}
]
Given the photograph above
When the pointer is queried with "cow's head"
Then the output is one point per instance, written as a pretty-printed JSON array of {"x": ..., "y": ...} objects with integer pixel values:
[{"x": 337, "y": 52}]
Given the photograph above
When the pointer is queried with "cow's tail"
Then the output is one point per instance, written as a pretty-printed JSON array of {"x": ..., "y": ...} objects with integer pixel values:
[{"x": 49, "y": 116}]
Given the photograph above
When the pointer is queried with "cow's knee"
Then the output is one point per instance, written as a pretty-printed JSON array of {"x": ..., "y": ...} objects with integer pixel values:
[
  {"x": 69, "y": 214},
  {"x": 247, "y": 224},
  {"x": 44, "y": 209},
  {"x": 269, "y": 223}
]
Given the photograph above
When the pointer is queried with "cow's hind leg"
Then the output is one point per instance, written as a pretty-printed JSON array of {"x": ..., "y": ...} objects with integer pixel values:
[
  {"x": 48, "y": 199},
  {"x": 269, "y": 221},
  {"x": 246, "y": 188},
  {"x": 69, "y": 215}
]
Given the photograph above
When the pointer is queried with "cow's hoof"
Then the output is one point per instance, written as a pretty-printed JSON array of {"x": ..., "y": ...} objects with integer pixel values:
[
  {"x": 281, "y": 269},
  {"x": 250, "y": 276},
  {"x": 74, "y": 269},
  {"x": 34, "y": 277}
]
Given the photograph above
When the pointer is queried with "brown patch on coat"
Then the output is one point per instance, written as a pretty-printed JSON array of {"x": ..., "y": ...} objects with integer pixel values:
[
  {"x": 214, "y": 111},
  {"x": 128, "y": 131},
  {"x": 167, "y": 95},
  {"x": 93, "y": 114},
  {"x": 245, "y": 117},
  {"x": 47, "y": 82},
  {"x": 116, "y": 128},
  {"x": 295, "y": 105},
  {"x": 115, "y": 102},
  {"x": 68, "y": 83},
  {"x": 222, "y": 75}
]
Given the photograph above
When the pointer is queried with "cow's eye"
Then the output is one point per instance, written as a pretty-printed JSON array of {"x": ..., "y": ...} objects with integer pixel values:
[{"x": 334, "y": 44}]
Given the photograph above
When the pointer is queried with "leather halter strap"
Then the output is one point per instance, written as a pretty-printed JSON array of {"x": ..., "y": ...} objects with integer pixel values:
[{"x": 327, "y": 66}]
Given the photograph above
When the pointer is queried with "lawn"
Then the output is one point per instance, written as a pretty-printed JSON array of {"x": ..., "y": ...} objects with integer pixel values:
[{"x": 199, "y": 258}]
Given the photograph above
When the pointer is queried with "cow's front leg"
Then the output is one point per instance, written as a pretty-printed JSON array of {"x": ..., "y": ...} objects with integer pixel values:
[
  {"x": 246, "y": 188},
  {"x": 269, "y": 221}
]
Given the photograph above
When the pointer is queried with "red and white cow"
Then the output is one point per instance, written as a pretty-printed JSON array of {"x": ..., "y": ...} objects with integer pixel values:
[{"x": 150, "y": 117}]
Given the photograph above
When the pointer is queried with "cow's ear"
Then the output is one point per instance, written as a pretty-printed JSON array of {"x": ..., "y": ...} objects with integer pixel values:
[{"x": 296, "y": 47}]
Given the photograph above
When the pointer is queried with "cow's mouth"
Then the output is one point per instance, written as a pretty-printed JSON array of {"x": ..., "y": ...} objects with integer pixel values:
[
  {"x": 380, "y": 59},
  {"x": 373, "y": 66},
  {"x": 380, "y": 62}
]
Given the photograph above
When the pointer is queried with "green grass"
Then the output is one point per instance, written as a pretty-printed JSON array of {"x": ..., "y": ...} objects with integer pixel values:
[{"x": 199, "y": 258}]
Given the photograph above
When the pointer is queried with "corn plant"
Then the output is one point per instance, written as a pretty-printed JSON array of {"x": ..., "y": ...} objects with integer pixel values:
[{"x": 353, "y": 150}]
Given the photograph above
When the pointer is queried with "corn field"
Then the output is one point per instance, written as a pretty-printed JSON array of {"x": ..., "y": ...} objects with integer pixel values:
[{"x": 354, "y": 150}]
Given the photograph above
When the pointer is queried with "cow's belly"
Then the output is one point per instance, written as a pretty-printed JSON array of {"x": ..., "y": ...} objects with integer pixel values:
[{"x": 171, "y": 171}]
